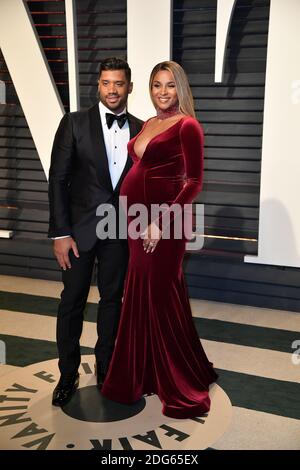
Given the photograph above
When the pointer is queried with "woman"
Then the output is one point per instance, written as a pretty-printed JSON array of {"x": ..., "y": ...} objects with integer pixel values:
[{"x": 157, "y": 348}]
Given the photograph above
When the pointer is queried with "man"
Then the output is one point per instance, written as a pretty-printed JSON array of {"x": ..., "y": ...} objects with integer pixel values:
[{"x": 88, "y": 164}]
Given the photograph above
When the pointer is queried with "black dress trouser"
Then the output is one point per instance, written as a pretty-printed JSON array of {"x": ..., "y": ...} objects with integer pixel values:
[{"x": 112, "y": 256}]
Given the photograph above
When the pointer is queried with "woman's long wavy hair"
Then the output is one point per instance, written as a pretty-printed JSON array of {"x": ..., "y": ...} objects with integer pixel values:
[{"x": 185, "y": 97}]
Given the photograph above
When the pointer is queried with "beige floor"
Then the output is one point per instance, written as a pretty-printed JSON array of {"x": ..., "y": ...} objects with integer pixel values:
[
  {"x": 264, "y": 317},
  {"x": 249, "y": 429}
]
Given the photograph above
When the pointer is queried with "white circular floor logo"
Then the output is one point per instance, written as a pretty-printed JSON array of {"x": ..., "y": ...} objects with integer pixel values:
[{"x": 90, "y": 421}]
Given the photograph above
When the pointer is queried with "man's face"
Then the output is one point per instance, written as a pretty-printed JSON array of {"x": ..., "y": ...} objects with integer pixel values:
[{"x": 113, "y": 89}]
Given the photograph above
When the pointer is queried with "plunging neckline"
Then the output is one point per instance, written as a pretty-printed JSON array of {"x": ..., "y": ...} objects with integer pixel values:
[{"x": 154, "y": 137}]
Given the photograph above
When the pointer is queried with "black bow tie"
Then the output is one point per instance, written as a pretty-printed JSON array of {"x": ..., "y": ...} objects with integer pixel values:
[{"x": 120, "y": 119}]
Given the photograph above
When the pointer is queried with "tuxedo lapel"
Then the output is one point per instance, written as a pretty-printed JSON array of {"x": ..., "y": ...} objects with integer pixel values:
[
  {"x": 133, "y": 130},
  {"x": 99, "y": 150},
  {"x": 127, "y": 166}
]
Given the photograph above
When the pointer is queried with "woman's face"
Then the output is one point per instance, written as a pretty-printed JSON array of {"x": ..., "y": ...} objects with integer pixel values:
[{"x": 163, "y": 91}]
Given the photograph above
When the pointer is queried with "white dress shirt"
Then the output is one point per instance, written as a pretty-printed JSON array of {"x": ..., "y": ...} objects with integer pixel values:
[{"x": 115, "y": 140}]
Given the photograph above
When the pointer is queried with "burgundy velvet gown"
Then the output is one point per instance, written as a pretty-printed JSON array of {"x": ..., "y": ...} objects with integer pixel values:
[{"x": 157, "y": 348}]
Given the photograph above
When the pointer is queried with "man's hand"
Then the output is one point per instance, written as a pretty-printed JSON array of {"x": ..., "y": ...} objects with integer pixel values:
[{"x": 61, "y": 248}]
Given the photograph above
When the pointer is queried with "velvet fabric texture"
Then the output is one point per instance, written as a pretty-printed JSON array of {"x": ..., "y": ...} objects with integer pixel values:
[{"x": 157, "y": 348}]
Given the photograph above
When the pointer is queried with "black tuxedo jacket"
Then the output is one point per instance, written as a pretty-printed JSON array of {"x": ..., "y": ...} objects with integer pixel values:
[{"x": 79, "y": 178}]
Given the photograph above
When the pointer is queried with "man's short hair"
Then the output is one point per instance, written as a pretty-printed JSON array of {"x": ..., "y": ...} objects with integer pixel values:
[{"x": 113, "y": 63}]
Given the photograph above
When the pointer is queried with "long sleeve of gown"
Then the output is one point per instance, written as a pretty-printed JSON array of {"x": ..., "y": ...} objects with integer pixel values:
[{"x": 192, "y": 140}]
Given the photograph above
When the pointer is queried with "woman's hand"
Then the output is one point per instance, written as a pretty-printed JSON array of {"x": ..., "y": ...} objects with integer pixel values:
[{"x": 151, "y": 237}]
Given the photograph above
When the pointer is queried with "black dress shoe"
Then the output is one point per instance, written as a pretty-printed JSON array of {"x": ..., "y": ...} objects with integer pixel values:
[
  {"x": 64, "y": 390},
  {"x": 100, "y": 375}
]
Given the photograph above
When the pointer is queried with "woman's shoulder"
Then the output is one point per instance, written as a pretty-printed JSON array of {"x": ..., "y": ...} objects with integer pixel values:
[
  {"x": 190, "y": 121},
  {"x": 190, "y": 124}
]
